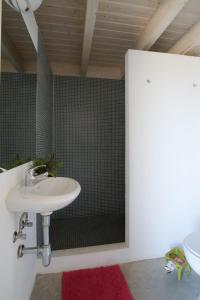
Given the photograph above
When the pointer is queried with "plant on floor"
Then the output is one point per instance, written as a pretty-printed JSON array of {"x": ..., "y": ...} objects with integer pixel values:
[{"x": 52, "y": 165}]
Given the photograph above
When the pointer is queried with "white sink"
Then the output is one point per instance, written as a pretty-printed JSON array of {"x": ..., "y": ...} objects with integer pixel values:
[{"x": 44, "y": 197}]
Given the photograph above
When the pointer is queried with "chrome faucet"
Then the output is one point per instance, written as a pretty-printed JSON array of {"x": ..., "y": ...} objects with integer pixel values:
[
  {"x": 2, "y": 170},
  {"x": 32, "y": 178}
]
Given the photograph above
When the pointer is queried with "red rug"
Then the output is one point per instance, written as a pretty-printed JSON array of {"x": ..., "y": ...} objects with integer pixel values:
[{"x": 95, "y": 284}]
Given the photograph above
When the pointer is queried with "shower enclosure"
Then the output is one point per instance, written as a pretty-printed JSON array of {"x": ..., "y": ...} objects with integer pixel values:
[{"x": 89, "y": 137}]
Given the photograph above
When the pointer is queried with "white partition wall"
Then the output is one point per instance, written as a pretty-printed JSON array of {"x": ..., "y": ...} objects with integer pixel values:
[
  {"x": 162, "y": 161},
  {"x": 162, "y": 150},
  {"x": 17, "y": 274}
]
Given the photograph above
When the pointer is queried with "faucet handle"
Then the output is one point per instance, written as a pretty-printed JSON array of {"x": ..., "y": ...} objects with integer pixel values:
[
  {"x": 32, "y": 171},
  {"x": 32, "y": 177}
]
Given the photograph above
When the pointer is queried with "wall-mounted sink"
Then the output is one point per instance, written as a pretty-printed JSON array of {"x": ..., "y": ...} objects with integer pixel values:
[{"x": 44, "y": 197}]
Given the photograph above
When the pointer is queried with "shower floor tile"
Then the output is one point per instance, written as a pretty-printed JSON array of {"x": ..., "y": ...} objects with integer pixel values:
[{"x": 86, "y": 231}]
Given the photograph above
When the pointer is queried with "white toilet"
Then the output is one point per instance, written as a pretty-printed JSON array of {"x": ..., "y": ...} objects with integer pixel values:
[{"x": 191, "y": 246}]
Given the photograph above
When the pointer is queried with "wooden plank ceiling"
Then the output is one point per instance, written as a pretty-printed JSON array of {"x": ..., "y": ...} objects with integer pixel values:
[{"x": 90, "y": 37}]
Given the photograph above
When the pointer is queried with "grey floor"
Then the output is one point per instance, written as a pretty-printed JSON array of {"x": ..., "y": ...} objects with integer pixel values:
[
  {"x": 70, "y": 233},
  {"x": 147, "y": 280}
]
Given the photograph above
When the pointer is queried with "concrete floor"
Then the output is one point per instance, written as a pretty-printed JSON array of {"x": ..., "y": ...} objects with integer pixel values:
[{"x": 147, "y": 280}]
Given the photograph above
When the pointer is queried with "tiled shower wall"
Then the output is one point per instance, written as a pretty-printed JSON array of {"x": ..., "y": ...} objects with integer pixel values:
[
  {"x": 17, "y": 116},
  {"x": 89, "y": 141},
  {"x": 26, "y": 106},
  {"x": 44, "y": 103}
]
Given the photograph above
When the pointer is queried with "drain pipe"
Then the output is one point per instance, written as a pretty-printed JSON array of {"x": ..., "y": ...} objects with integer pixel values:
[
  {"x": 46, "y": 248},
  {"x": 44, "y": 251}
]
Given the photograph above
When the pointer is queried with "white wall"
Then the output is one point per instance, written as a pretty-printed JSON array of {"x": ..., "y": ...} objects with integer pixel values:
[
  {"x": 163, "y": 154},
  {"x": 17, "y": 275}
]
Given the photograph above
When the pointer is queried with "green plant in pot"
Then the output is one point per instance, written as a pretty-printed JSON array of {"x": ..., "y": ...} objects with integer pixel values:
[{"x": 50, "y": 163}]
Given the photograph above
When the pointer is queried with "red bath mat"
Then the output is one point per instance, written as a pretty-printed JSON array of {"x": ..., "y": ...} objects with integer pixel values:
[{"x": 106, "y": 283}]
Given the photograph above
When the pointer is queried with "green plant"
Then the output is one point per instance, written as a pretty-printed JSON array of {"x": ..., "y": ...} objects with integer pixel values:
[
  {"x": 17, "y": 161},
  {"x": 52, "y": 165}
]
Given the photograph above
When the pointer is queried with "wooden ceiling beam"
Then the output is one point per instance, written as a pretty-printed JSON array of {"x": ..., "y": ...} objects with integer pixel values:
[
  {"x": 188, "y": 41},
  {"x": 90, "y": 20},
  {"x": 10, "y": 52},
  {"x": 161, "y": 19}
]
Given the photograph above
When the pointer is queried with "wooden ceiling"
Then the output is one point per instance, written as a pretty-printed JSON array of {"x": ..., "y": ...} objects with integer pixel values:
[{"x": 90, "y": 37}]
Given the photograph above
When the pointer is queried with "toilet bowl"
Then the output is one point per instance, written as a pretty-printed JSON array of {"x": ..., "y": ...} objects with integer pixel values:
[{"x": 191, "y": 245}]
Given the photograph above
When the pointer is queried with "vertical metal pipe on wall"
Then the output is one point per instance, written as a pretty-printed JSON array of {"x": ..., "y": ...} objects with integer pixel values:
[{"x": 44, "y": 112}]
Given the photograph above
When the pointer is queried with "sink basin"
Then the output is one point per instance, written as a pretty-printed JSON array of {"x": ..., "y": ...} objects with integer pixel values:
[{"x": 44, "y": 197}]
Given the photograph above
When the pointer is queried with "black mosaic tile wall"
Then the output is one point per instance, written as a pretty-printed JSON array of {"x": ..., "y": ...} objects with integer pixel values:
[
  {"x": 17, "y": 116},
  {"x": 89, "y": 139},
  {"x": 25, "y": 120},
  {"x": 90, "y": 142}
]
